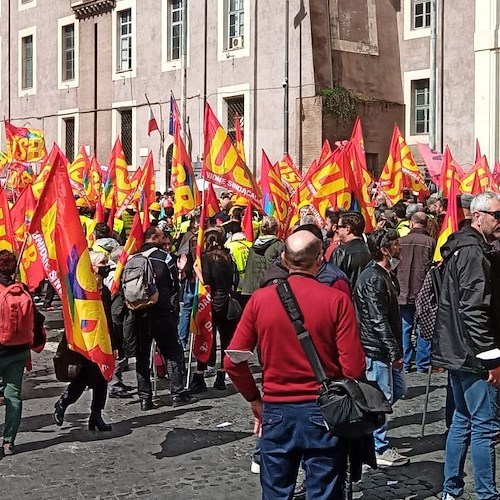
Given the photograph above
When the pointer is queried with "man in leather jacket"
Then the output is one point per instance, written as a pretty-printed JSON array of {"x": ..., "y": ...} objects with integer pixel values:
[
  {"x": 376, "y": 302},
  {"x": 467, "y": 343},
  {"x": 353, "y": 254}
]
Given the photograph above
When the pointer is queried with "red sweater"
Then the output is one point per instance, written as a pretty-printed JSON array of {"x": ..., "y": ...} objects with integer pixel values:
[{"x": 287, "y": 376}]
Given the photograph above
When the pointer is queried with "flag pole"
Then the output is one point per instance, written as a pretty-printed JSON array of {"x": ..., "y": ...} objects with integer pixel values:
[{"x": 23, "y": 247}]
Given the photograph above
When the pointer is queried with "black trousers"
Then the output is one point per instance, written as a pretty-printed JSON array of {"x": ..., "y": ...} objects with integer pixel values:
[
  {"x": 89, "y": 376},
  {"x": 163, "y": 329}
]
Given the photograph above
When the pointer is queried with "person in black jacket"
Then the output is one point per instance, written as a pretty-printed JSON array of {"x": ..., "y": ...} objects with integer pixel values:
[
  {"x": 90, "y": 375},
  {"x": 377, "y": 310},
  {"x": 467, "y": 343},
  {"x": 158, "y": 322},
  {"x": 352, "y": 255}
]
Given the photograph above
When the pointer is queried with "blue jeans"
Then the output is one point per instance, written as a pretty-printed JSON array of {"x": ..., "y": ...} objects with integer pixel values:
[
  {"x": 476, "y": 421},
  {"x": 187, "y": 308},
  {"x": 295, "y": 431},
  {"x": 423, "y": 354},
  {"x": 393, "y": 385}
]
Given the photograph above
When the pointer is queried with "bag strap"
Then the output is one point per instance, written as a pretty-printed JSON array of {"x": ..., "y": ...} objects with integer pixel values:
[{"x": 295, "y": 314}]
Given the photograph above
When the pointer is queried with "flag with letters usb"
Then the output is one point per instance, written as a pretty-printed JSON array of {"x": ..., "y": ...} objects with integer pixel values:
[{"x": 58, "y": 235}]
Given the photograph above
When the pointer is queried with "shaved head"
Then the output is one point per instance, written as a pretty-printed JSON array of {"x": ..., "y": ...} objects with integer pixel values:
[{"x": 302, "y": 250}]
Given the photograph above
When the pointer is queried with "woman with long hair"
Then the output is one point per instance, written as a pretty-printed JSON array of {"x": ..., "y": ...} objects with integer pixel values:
[{"x": 218, "y": 272}]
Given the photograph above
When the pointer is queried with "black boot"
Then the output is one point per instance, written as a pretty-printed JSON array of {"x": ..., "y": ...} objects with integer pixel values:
[
  {"x": 220, "y": 381},
  {"x": 59, "y": 410},
  {"x": 197, "y": 384},
  {"x": 96, "y": 422}
]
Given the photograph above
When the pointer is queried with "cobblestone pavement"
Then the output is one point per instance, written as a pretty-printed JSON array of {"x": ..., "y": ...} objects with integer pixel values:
[{"x": 181, "y": 453}]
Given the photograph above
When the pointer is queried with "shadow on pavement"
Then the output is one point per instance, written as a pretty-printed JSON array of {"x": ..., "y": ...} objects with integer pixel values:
[
  {"x": 416, "y": 418},
  {"x": 180, "y": 441},
  {"x": 419, "y": 390},
  {"x": 80, "y": 434}
]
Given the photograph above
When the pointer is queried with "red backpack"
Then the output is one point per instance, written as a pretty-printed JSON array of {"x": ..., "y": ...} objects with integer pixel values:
[{"x": 17, "y": 315}]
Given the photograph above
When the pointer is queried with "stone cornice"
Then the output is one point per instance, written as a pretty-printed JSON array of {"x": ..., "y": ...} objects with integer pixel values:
[{"x": 84, "y": 9}]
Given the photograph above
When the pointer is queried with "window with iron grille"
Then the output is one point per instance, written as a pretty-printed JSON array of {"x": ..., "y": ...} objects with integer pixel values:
[
  {"x": 125, "y": 40},
  {"x": 421, "y": 14},
  {"x": 420, "y": 106},
  {"x": 68, "y": 52},
  {"x": 175, "y": 28},
  {"x": 235, "y": 108},
  {"x": 235, "y": 21},
  {"x": 27, "y": 62},
  {"x": 126, "y": 134},
  {"x": 69, "y": 138},
  {"x": 372, "y": 164}
]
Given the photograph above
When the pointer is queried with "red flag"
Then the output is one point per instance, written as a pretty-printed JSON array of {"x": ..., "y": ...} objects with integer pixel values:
[
  {"x": 152, "y": 124},
  {"x": 211, "y": 201},
  {"x": 223, "y": 165},
  {"x": 478, "y": 152},
  {"x": 248, "y": 223},
  {"x": 449, "y": 175},
  {"x": 450, "y": 222},
  {"x": 59, "y": 237},
  {"x": 146, "y": 188},
  {"x": 496, "y": 173},
  {"x": 7, "y": 235}
]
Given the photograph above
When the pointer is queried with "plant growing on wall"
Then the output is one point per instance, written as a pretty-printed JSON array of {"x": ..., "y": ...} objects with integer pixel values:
[{"x": 339, "y": 101}]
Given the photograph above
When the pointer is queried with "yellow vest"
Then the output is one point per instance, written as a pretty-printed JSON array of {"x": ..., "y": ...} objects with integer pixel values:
[{"x": 239, "y": 250}]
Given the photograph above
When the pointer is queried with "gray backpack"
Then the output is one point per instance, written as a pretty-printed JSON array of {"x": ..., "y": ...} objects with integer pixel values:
[{"x": 138, "y": 281}]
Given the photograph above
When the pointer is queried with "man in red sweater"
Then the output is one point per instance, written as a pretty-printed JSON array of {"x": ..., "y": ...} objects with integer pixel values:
[{"x": 290, "y": 420}]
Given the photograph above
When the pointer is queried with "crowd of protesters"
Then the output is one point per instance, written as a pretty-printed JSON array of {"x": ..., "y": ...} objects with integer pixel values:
[{"x": 358, "y": 295}]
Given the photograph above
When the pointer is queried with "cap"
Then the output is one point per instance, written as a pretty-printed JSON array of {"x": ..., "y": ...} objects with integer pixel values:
[{"x": 155, "y": 206}]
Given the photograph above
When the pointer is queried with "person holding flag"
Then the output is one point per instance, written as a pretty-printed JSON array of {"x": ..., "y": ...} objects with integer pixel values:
[{"x": 89, "y": 374}]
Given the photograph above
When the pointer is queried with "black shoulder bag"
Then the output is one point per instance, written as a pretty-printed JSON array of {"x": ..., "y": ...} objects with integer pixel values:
[{"x": 351, "y": 408}]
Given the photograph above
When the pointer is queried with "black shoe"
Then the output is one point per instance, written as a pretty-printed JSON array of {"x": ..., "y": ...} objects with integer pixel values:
[
  {"x": 197, "y": 384},
  {"x": 125, "y": 387},
  {"x": 183, "y": 399},
  {"x": 96, "y": 422},
  {"x": 220, "y": 382},
  {"x": 59, "y": 410},
  {"x": 147, "y": 404},
  {"x": 120, "y": 394}
]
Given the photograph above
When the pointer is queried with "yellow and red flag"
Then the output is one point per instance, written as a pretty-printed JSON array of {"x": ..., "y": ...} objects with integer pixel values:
[
  {"x": 289, "y": 174},
  {"x": 449, "y": 175},
  {"x": 92, "y": 181},
  {"x": 132, "y": 245},
  {"x": 59, "y": 237},
  {"x": 146, "y": 189},
  {"x": 281, "y": 203},
  {"x": 7, "y": 235},
  {"x": 31, "y": 268},
  {"x": 391, "y": 178},
  {"x": 240, "y": 146},
  {"x": 117, "y": 167},
  {"x": 187, "y": 196},
  {"x": 478, "y": 179},
  {"x": 39, "y": 184},
  {"x": 223, "y": 165},
  {"x": 24, "y": 144},
  {"x": 20, "y": 175},
  {"x": 361, "y": 178},
  {"x": 211, "y": 201},
  {"x": 450, "y": 221},
  {"x": 76, "y": 172},
  {"x": 201, "y": 316}
]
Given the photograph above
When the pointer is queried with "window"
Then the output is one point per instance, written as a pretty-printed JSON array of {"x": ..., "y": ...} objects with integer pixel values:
[
  {"x": 175, "y": 22},
  {"x": 235, "y": 108},
  {"x": 421, "y": 14},
  {"x": 372, "y": 164},
  {"x": 69, "y": 138},
  {"x": 235, "y": 24},
  {"x": 124, "y": 40},
  {"x": 420, "y": 106},
  {"x": 126, "y": 133},
  {"x": 68, "y": 52},
  {"x": 27, "y": 62}
]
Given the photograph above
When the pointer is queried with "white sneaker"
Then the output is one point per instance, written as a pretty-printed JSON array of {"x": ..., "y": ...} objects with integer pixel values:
[
  {"x": 255, "y": 468},
  {"x": 392, "y": 458},
  {"x": 447, "y": 496}
]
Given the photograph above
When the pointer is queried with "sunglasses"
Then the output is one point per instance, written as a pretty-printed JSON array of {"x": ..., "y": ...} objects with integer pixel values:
[{"x": 495, "y": 214}]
